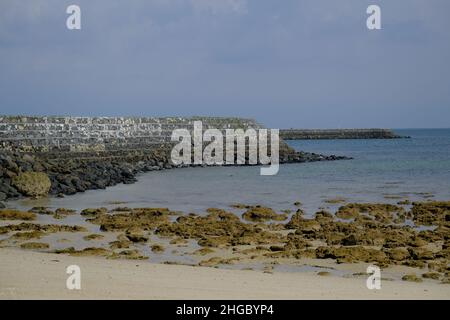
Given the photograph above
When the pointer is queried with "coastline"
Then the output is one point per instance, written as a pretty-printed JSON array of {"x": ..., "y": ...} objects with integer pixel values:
[{"x": 31, "y": 275}]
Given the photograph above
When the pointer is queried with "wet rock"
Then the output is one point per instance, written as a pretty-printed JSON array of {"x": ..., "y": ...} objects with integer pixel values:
[
  {"x": 93, "y": 236},
  {"x": 157, "y": 248},
  {"x": 417, "y": 242},
  {"x": 296, "y": 220},
  {"x": 335, "y": 200},
  {"x": 91, "y": 251},
  {"x": 129, "y": 254},
  {"x": 411, "y": 278},
  {"x": 46, "y": 228},
  {"x": 351, "y": 254},
  {"x": 136, "y": 237},
  {"x": 276, "y": 248},
  {"x": 351, "y": 240},
  {"x": 421, "y": 254},
  {"x": 398, "y": 254},
  {"x": 261, "y": 214},
  {"x": 10, "y": 214},
  {"x": 212, "y": 262},
  {"x": 28, "y": 235},
  {"x": 42, "y": 210},
  {"x": 203, "y": 251},
  {"x": 138, "y": 219},
  {"x": 430, "y": 213},
  {"x": 217, "y": 229},
  {"x": 384, "y": 213},
  {"x": 431, "y": 275},
  {"x": 91, "y": 212},
  {"x": 120, "y": 244},
  {"x": 35, "y": 245}
]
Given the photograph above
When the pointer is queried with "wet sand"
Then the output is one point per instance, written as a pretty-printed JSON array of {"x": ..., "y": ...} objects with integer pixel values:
[{"x": 33, "y": 275}]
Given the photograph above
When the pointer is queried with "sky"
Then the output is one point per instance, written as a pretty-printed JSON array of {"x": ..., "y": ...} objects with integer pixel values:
[{"x": 286, "y": 63}]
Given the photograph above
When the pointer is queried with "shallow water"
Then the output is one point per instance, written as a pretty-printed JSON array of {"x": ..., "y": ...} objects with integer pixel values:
[{"x": 381, "y": 171}]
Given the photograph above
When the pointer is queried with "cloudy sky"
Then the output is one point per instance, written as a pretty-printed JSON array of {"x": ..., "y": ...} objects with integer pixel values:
[{"x": 287, "y": 63}]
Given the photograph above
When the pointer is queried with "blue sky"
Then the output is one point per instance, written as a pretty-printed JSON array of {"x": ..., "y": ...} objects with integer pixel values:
[{"x": 287, "y": 63}]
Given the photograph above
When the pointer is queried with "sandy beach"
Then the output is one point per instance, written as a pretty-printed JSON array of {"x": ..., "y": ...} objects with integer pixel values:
[{"x": 32, "y": 275}]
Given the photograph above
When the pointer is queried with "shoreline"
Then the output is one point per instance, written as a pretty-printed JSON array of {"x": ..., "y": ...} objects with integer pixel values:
[{"x": 32, "y": 275}]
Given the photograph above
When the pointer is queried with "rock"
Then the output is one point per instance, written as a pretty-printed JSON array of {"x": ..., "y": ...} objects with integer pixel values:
[
  {"x": 204, "y": 251},
  {"x": 157, "y": 248},
  {"x": 34, "y": 245},
  {"x": 90, "y": 212},
  {"x": 136, "y": 237},
  {"x": 349, "y": 241},
  {"x": 85, "y": 252},
  {"x": 421, "y": 254},
  {"x": 276, "y": 248},
  {"x": 431, "y": 275},
  {"x": 411, "y": 278},
  {"x": 261, "y": 214},
  {"x": 33, "y": 184},
  {"x": 10, "y": 214},
  {"x": 430, "y": 213},
  {"x": 398, "y": 254},
  {"x": 94, "y": 236},
  {"x": 296, "y": 219},
  {"x": 129, "y": 254}
]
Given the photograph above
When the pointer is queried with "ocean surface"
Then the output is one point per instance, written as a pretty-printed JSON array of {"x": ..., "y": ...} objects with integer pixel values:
[{"x": 381, "y": 171}]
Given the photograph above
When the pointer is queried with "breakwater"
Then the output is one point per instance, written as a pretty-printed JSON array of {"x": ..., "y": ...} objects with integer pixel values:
[
  {"x": 309, "y": 134},
  {"x": 65, "y": 155}
]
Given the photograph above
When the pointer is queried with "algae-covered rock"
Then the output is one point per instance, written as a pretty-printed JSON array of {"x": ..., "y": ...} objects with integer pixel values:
[
  {"x": 93, "y": 236},
  {"x": 431, "y": 275},
  {"x": 204, "y": 251},
  {"x": 261, "y": 214},
  {"x": 9, "y": 214},
  {"x": 28, "y": 235},
  {"x": 33, "y": 184},
  {"x": 34, "y": 245},
  {"x": 411, "y": 278},
  {"x": 92, "y": 251},
  {"x": 398, "y": 254},
  {"x": 157, "y": 248},
  {"x": 134, "y": 236},
  {"x": 128, "y": 254},
  {"x": 431, "y": 213}
]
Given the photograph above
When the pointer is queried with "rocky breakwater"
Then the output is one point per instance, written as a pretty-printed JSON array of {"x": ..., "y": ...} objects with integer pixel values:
[
  {"x": 65, "y": 155},
  {"x": 311, "y": 134}
]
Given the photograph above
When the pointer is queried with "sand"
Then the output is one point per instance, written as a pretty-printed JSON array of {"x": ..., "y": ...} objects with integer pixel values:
[{"x": 35, "y": 275}]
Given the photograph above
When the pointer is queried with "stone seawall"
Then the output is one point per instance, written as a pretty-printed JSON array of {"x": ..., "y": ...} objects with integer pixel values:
[
  {"x": 65, "y": 155},
  {"x": 81, "y": 134},
  {"x": 310, "y": 134}
]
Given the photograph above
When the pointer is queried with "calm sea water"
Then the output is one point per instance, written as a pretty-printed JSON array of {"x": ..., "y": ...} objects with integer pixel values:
[{"x": 382, "y": 171}]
